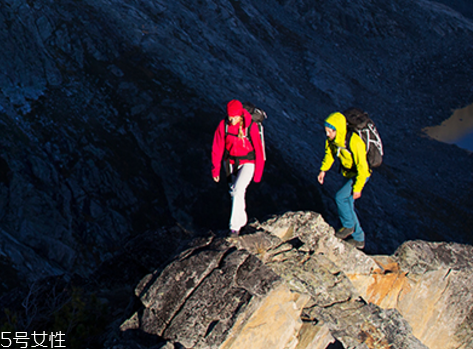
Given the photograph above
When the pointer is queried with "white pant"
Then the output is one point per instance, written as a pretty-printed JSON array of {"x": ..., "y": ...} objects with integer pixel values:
[{"x": 240, "y": 181}]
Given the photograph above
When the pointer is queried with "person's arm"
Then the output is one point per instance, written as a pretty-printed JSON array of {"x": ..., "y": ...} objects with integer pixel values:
[
  {"x": 259, "y": 152},
  {"x": 321, "y": 177},
  {"x": 218, "y": 148},
  {"x": 358, "y": 149},
  {"x": 328, "y": 159}
]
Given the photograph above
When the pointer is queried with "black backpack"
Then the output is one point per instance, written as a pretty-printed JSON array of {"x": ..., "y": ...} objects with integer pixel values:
[
  {"x": 258, "y": 116},
  {"x": 358, "y": 121}
]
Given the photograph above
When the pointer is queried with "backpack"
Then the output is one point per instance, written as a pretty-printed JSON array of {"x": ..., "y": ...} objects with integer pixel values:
[
  {"x": 358, "y": 121},
  {"x": 257, "y": 116}
]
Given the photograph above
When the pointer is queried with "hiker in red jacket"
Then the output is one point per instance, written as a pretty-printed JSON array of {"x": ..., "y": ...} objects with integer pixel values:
[{"x": 238, "y": 143}]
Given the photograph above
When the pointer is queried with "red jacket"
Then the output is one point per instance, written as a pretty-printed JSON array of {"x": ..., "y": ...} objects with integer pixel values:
[{"x": 237, "y": 146}]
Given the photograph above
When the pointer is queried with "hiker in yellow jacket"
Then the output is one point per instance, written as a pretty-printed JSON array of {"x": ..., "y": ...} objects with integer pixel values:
[{"x": 354, "y": 167}]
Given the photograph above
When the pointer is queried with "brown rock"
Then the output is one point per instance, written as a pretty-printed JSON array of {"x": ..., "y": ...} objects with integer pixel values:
[{"x": 303, "y": 288}]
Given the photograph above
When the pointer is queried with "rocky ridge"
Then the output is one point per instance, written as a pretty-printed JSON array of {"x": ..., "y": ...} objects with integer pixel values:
[{"x": 289, "y": 283}]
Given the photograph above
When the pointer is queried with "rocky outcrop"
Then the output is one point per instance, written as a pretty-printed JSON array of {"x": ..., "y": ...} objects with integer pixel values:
[
  {"x": 291, "y": 284},
  {"x": 196, "y": 300},
  {"x": 430, "y": 284}
]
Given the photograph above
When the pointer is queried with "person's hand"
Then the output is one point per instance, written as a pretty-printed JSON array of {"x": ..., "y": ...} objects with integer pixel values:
[
  {"x": 321, "y": 177},
  {"x": 216, "y": 179},
  {"x": 356, "y": 195}
]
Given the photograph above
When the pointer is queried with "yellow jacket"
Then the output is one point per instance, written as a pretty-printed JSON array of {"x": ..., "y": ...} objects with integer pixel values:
[{"x": 353, "y": 159}]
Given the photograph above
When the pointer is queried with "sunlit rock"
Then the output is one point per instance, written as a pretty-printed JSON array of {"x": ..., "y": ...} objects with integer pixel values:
[{"x": 307, "y": 290}]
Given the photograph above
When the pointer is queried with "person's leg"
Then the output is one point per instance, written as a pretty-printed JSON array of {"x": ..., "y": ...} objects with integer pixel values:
[
  {"x": 358, "y": 234},
  {"x": 344, "y": 200},
  {"x": 346, "y": 210},
  {"x": 241, "y": 180}
]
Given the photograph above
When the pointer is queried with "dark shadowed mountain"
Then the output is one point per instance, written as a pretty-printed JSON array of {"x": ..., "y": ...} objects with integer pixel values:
[{"x": 462, "y": 6}]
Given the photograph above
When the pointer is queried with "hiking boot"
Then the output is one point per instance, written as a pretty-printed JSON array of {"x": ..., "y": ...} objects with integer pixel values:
[
  {"x": 343, "y": 233},
  {"x": 355, "y": 243}
]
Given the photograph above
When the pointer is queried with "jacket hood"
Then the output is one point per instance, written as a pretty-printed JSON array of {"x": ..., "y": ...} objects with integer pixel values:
[
  {"x": 235, "y": 107},
  {"x": 338, "y": 121}
]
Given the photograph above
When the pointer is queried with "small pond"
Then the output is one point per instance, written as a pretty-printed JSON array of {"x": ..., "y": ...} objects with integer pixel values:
[{"x": 458, "y": 129}]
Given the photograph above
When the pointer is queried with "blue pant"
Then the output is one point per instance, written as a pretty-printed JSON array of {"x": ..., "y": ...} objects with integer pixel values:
[{"x": 346, "y": 210}]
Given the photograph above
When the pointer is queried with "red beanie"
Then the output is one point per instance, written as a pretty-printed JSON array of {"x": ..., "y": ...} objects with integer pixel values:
[{"x": 234, "y": 108}]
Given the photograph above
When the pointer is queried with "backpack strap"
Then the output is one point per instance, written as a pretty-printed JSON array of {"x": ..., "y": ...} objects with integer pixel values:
[
  {"x": 250, "y": 156},
  {"x": 248, "y": 134},
  {"x": 348, "y": 139},
  {"x": 261, "y": 133},
  {"x": 350, "y": 132}
]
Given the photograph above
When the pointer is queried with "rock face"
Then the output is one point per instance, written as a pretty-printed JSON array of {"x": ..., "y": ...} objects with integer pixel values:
[
  {"x": 195, "y": 301},
  {"x": 430, "y": 284},
  {"x": 291, "y": 284}
]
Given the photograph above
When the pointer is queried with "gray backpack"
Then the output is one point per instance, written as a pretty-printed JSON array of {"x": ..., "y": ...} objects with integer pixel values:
[{"x": 358, "y": 121}]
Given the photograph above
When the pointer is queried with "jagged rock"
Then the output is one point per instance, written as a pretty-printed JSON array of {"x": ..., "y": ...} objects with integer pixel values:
[
  {"x": 287, "y": 285},
  {"x": 430, "y": 284},
  {"x": 197, "y": 298}
]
